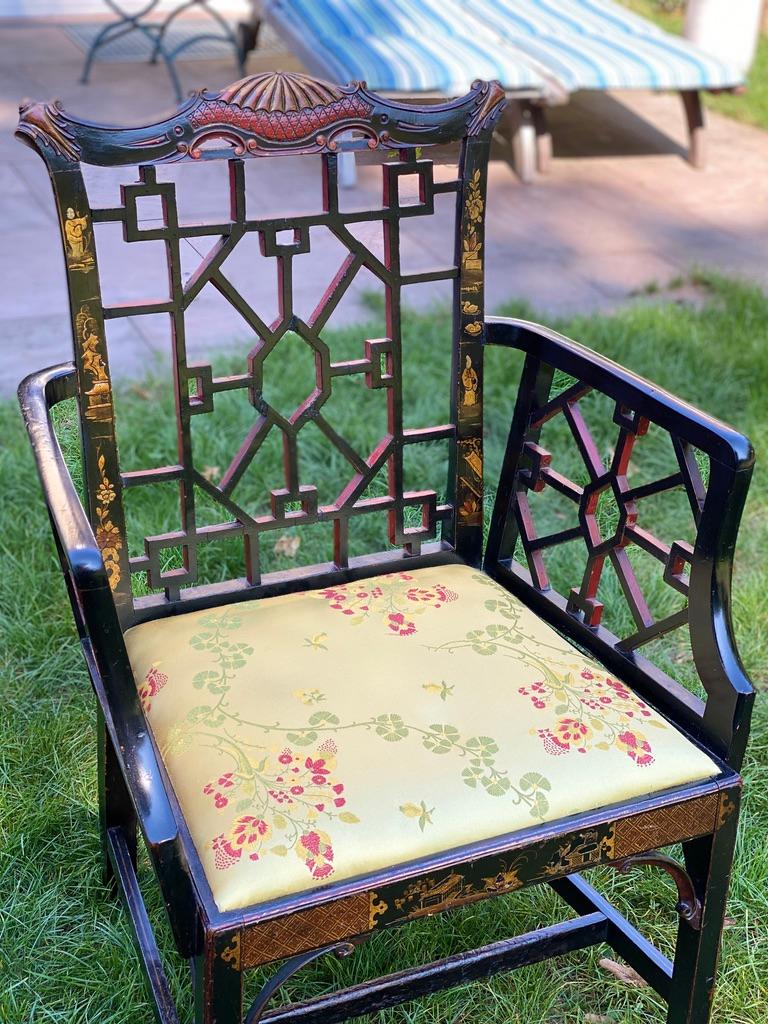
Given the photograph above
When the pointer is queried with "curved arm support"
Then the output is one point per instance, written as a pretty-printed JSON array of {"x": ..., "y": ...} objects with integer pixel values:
[
  {"x": 101, "y": 635},
  {"x": 688, "y": 904},
  {"x": 289, "y": 968},
  {"x": 38, "y": 394}
]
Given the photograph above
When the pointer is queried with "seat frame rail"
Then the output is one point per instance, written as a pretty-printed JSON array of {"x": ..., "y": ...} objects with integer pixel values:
[{"x": 597, "y": 922}]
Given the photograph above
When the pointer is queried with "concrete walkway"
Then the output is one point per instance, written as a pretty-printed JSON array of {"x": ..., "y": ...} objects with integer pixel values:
[{"x": 619, "y": 209}]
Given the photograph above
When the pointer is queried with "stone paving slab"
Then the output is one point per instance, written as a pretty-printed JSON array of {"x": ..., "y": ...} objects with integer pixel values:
[{"x": 619, "y": 209}]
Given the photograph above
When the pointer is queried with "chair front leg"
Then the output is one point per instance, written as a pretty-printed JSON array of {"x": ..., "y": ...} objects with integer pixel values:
[
  {"x": 218, "y": 981},
  {"x": 708, "y": 861},
  {"x": 115, "y": 805}
]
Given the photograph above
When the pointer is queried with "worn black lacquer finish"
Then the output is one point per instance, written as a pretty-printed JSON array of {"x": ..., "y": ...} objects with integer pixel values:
[{"x": 273, "y": 115}]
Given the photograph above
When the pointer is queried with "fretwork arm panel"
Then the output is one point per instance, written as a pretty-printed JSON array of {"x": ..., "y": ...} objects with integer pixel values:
[
  {"x": 268, "y": 115},
  {"x": 584, "y": 525}
]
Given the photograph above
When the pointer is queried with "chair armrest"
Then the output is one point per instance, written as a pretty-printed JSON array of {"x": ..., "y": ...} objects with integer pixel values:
[
  {"x": 38, "y": 394},
  {"x": 94, "y": 607},
  {"x": 702, "y": 572}
]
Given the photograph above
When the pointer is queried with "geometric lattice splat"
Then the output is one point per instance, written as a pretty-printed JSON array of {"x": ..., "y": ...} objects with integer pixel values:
[{"x": 293, "y": 501}]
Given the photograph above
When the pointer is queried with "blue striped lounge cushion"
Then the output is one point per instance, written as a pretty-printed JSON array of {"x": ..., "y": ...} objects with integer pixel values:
[
  {"x": 598, "y": 44},
  {"x": 442, "y": 45},
  {"x": 401, "y": 45}
]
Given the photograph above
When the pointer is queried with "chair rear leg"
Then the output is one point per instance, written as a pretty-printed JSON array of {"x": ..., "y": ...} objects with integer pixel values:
[
  {"x": 694, "y": 117},
  {"x": 708, "y": 861},
  {"x": 115, "y": 807}
]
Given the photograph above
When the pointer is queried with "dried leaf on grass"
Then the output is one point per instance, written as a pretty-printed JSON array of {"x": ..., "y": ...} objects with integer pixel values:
[
  {"x": 211, "y": 472},
  {"x": 597, "y": 1018},
  {"x": 288, "y": 545},
  {"x": 624, "y": 973}
]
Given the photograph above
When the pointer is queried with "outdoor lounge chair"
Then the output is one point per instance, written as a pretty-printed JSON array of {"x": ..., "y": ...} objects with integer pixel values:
[
  {"x": 540, "y": 50},
  {"x": 314, "y": 754}
]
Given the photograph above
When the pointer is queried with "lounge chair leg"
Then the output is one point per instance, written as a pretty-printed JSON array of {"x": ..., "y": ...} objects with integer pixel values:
[
  {"x": 247, "y": 38},
  {"x": 347, "y": 170},
  {"x": 694, "y": 116},
  {"x": 543, "y": 138},
  {"x": 518, "y": 131},
  {"x": 708, "y": 861},
  {"x": 115, "y": 807}
]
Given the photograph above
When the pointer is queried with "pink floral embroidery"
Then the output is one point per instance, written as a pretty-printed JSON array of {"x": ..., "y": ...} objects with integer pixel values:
[
  {"x": 599, "y": 711},
  {"x": 246, "y": 835},
  {"x": 154, "y": 681},
  {"x": 315, "y": 849},
  {"x": 216, "y": 789},
  {"x": 398, "y": 623},
  {"x": 291, "y": 790},
  {"x": 394, "y": 598},
  {"x": 636, "y": 746}
]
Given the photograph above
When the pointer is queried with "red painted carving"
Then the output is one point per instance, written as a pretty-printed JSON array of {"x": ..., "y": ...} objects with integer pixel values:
[{"x": 277, "y": 125}]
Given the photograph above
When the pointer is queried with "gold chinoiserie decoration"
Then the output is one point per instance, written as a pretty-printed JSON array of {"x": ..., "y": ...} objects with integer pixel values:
[
  {"x": 107, "y": 534},
  {"x": 98, "y": 398},
  {"x": 79, "y": 241},
  {"x": 231, "y": 953},
  {"x": 470, "y": 245},
  {"x": 469, "y": 382}
]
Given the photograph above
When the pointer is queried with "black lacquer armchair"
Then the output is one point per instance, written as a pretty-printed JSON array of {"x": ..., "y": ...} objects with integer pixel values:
[{"x": 312, "y": 754}]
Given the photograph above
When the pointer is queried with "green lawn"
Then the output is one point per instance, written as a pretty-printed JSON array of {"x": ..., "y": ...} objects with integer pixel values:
[
  {"x": 750, "y": 107},
  {"x": 65, "y": 948}
]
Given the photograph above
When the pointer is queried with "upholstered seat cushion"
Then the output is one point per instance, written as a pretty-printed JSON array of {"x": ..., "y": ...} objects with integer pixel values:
[{"x": 317, "y": 736}]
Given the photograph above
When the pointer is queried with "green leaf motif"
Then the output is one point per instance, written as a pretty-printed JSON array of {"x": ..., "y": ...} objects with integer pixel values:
[
  {"x": 233, "y": 661},
  {"x": 495, "y": 786},
  {"x": 471, "y": 775},
  {"x": 203, "y": 641},
  {"x": 484, "y": 747},
  {"x": 302, "y": 739},
  {"x": 533, "y": 781},
  {"x": 484, "y": 648},
  {"x": 391, "y": 728},
  {"x": 497, "y": 630},
  {"x": 540, "y": 805},
  {"x": 320, "y": 718},
  {"x": 205, "y": 678},
  {"x": 441, "y": 738},
  {"x": 197, "y": 714}
]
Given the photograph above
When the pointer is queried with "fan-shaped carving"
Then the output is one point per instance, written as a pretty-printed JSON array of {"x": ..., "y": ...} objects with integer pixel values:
[{"x": 280, "y": 90}]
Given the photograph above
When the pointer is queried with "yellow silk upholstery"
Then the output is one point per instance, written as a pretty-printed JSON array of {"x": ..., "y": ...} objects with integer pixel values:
[{"x": 317, "y": 736}]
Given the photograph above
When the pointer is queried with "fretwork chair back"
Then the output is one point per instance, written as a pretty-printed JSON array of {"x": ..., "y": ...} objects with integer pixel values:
[{"x": 230, "y": 711}]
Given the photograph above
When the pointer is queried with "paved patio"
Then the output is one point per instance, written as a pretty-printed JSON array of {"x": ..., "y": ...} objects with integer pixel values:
[{"x": 619, "y": 209}]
